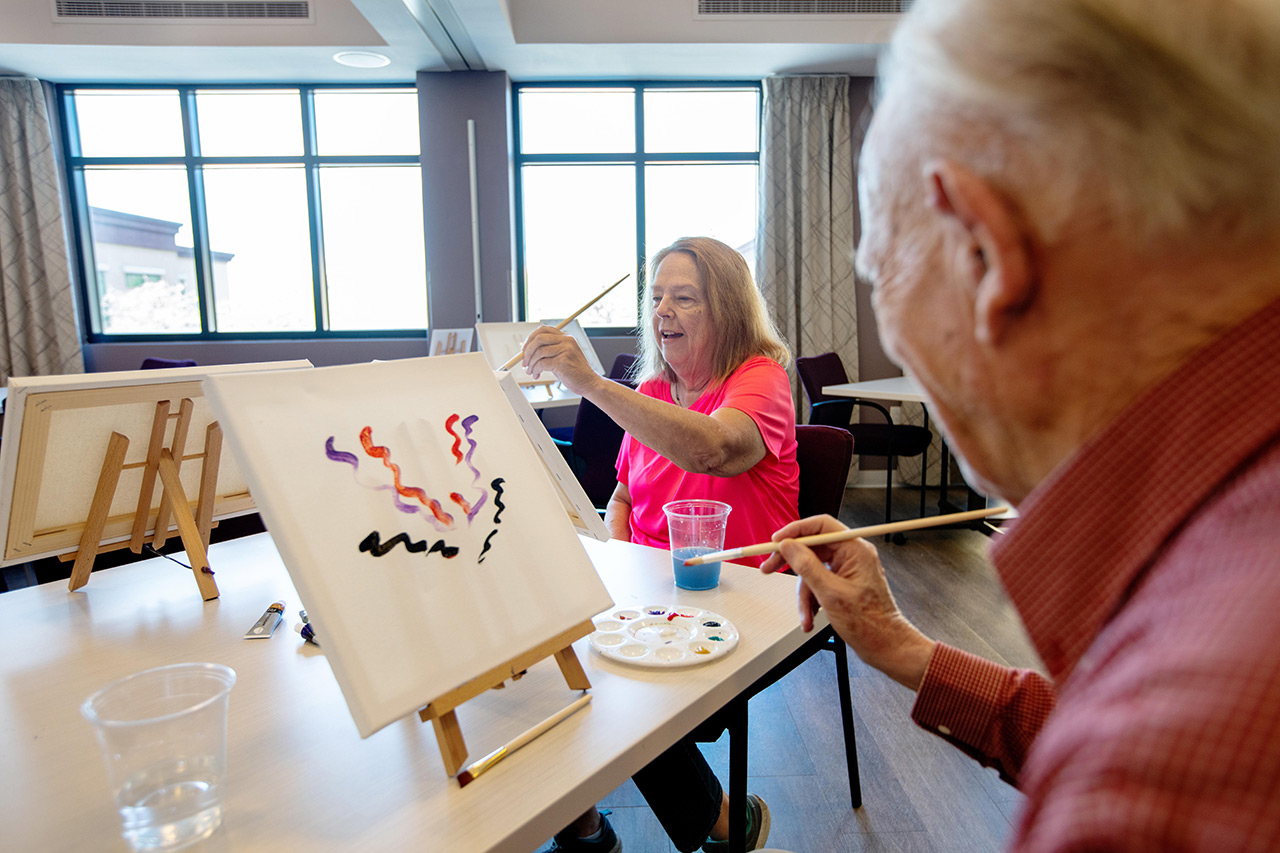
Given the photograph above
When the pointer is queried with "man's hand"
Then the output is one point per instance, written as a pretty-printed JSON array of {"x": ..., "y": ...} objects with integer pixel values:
[{"x": 847, "y": 580}]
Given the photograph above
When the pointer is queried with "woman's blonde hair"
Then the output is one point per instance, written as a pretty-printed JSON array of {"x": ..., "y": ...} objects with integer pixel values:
[{"x": 742, "y": 327}]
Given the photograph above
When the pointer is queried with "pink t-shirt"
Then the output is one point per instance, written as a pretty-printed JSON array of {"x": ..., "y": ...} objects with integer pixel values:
[{"x": 763, "y": 498}]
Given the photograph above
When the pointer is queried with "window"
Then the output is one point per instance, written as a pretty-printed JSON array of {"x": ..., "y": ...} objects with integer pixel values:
[
  {"x": 207, "y": 211},
  {"x": 608, "y": 174}
]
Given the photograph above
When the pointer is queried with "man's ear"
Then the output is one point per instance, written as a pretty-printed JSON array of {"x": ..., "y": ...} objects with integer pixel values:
[{"x": 1005, "y": 282}]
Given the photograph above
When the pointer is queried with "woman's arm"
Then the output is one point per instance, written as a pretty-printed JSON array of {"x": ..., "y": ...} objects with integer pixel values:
[
  {"x": 724, "y": 444},
  {"x": 617, "y": 515}
]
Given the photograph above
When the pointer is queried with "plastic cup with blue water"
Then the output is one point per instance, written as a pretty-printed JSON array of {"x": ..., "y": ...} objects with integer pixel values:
[
  {"x": 163, "y": 734},
  {"x": 696, "y": 527}
]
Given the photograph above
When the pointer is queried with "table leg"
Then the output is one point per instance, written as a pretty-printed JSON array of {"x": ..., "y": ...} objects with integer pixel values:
[{"x": 738, "y": 775}]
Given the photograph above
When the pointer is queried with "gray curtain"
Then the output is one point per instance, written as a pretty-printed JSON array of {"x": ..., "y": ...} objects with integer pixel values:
[
  {"x": 806, "y": 238},
  {"x": 38, "y": 332}
]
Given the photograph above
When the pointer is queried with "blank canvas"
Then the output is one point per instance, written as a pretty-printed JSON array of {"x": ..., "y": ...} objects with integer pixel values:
[
  {"x": 417, "y": 521},
  {"x": 501, "y": 341},
  {"x": 56, "y": 432}
]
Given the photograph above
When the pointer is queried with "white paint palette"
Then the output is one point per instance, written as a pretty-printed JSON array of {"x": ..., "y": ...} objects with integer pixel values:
[{"x": 663, "y": 636}]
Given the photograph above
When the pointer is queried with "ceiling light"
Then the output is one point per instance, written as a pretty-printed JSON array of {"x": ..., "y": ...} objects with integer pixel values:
[{"x": 361, "y": 59}]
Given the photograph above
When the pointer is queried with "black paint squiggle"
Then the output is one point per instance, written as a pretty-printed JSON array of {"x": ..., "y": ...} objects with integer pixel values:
[
  {"x": 497, "y": 501},
  {"x": 492, "y": 533},
  {"x": 376, "y": 547}
]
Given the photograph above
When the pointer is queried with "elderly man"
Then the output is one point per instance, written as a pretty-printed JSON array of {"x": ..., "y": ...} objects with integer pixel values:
[{"x": 1072, "y": 223}]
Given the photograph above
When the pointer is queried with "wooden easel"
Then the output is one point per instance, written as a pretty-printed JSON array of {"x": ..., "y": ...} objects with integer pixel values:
[
  {"x": 441, "y": 712},
  {"x": 193, "y": 529}
]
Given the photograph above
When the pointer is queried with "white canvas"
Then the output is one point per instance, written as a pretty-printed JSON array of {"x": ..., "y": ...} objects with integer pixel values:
[
  {"x": 450, "y": 341},
  {"x": 70, "y": 457},
  {"x": 500, "y": 341},
  {"x": 335, "y": 455}
]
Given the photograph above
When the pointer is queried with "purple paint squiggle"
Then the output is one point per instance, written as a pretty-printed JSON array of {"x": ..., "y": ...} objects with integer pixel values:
[
  {"x": 467, "y": 423},
  {"x": 354, "y": 461}
]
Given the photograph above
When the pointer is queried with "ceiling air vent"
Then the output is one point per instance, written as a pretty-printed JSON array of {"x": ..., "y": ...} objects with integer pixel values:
[
  {"x": 709, "y": 8},
  {"x": 182, "y": 11}
]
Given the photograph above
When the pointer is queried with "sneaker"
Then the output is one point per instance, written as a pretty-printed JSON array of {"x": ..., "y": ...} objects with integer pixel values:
[
  {"x": 567, "y": 840},
  {"x": 757, "y": 828}
]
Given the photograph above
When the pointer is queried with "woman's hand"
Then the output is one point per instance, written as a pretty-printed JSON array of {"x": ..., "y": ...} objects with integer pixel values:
[
  {"x": 847, "y": 580},
  {"x": 547, "y": 348}
]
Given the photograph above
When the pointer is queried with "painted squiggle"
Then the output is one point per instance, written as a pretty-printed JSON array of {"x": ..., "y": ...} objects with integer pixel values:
[
  {"x": 466, "y": 427},
  {"x": 457, "y": 439},
  {"x": 497, "y": 499},
  {"x": 354, "y": 461},
  {"x": 376, "y": 547},
  {"x": 383, "y": 453},
  {"x": 492, "y": 533}
]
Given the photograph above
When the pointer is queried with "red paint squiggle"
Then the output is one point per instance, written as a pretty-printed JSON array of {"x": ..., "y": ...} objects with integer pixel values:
[
  {"x": 457, "y": 439},
  {"x": 383, "y": 453}
]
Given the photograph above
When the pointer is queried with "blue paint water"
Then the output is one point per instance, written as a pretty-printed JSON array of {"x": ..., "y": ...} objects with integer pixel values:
[{"x": 706, "y": 576}]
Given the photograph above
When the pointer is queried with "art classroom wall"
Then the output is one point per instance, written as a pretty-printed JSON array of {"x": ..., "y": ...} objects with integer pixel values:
[{"x": 416, "y": 519}]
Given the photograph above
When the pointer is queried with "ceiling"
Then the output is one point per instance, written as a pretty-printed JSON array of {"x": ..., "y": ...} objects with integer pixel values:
[{"x": 529, "y": 39}]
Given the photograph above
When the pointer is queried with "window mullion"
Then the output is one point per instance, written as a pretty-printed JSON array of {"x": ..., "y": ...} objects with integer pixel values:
[
  {"x": 199, "y": 213},
  {"x": 640, "y": 223},
  {"x": 320, "y": 287}
]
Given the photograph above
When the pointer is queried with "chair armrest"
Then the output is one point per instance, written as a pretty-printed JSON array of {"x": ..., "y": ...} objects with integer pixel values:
[
  {"x": 858, "y": 401},
  {"x": 831, "y": 413}
]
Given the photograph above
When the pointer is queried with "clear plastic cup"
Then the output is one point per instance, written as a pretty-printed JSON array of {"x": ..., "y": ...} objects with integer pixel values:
[
  {"x": 163, "y": 734},
  {"x": 696, "y": 527}
]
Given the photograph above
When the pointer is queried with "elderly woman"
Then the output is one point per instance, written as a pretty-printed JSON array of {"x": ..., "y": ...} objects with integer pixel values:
[{"x": 712, "y": 418}]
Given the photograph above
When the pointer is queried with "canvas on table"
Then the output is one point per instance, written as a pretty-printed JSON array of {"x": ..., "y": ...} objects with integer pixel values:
[
  {"x": 56, "y": 432},
  {"x": 416, "y": 520},
  {"x": 500, "y": 341}
]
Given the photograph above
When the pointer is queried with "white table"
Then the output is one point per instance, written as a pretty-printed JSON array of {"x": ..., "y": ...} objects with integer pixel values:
[
  {"x": 906, "y": 389},
  {"x": 902, "y": 388},
  {"x": 551, "y": 396},
  {"x": 299, "y": 775}
]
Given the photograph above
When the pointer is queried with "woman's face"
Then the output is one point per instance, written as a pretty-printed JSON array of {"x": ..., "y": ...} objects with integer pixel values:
[{"x": 682, "y": 317}]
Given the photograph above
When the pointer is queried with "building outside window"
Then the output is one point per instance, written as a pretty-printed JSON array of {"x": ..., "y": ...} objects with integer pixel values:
[
  {"x": 608, "y": 174},
  {"x": 209, "y": 211}
]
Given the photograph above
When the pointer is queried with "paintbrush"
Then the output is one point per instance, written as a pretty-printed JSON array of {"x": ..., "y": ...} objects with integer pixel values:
[
  {"x": 567, "y": 320},
  {"x": 842, "y": 535},
  {"x": 476, "y": 768}
]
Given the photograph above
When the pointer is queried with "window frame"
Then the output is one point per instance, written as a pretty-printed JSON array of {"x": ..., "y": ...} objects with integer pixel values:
[
  {"x": 84, "y": 271},
  {"x": 638, "y": 159}
]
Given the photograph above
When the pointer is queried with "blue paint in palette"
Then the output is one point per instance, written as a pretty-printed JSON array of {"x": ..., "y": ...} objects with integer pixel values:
[{"x": 706, "y": 576}]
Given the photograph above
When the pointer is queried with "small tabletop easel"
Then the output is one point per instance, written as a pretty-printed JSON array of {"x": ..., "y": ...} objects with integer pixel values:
[
  {"x": 441, "y": 711},
  {"x": 193, "y": 529}
]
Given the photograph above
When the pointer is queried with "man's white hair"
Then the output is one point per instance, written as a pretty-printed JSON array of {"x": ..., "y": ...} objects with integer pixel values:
[{"x": 1161, "y": 119}]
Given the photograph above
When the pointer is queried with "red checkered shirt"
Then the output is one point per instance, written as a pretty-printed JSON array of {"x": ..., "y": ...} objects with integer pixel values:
[{"x": 1147, "y": 572}]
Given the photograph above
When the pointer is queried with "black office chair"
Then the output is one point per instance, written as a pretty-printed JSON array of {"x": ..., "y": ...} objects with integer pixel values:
[
  {"x": 874, "y": 439},
  {"x": 623, "y": 367},
  {"x": 592, "y": 452},
  {"x": 823, "y": 454}
]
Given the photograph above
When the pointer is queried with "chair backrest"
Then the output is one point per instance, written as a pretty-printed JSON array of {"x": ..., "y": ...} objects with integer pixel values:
[
  {"x": 823, "y": 454},
  {"x": 596, "y": 441},
  {"x": 622, "y": 366},
  {"x": 162, "y": 363},
  {"x": 816, "y": 371}
]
